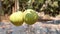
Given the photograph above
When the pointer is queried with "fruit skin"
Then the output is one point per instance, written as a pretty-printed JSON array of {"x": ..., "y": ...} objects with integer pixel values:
[
  {"x": 30, "y": 16},
  {"x": 17, "y": 18}
]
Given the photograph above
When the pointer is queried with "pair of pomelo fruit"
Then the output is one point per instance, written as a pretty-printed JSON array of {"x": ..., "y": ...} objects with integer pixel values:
[{"x": 29, "y": 16}]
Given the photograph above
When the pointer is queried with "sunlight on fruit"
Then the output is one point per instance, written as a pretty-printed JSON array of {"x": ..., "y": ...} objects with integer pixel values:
[
  {"x": 30, "y": 16},
  {"x": 17, "y": 18}
]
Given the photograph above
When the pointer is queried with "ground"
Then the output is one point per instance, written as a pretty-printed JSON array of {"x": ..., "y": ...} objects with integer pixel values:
[{"x": 49, "y": 25}]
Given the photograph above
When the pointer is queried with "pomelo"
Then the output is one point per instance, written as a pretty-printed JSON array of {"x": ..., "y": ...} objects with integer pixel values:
[
  {"x": 17, "y": 18},
  {"x": 30, "y": 16}
]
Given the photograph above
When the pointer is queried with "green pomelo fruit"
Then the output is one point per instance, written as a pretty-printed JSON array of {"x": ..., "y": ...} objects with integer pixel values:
[
  {"x": 30, "y": 16},
  {"x": 17, "y": 18}
]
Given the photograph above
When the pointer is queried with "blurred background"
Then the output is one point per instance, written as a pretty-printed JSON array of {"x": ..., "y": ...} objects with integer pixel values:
[
  {"x": 48, "y": 11},
  {"x": 50, "y": 8}
]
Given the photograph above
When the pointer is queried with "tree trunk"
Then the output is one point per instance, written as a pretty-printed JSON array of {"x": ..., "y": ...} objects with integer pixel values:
[
  {"x": 13, "y": 9},
  {"x": 16, "y": 5},
  {"x": 0, "y": 10}
]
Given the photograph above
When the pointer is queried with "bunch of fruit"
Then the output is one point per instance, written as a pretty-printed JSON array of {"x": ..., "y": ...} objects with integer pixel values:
[{"x": 29, "y": 16}]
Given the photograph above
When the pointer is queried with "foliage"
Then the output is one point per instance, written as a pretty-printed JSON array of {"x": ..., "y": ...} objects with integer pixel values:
[
  {"x": 50, "y": 7},
  {"x": 7, "y": 5}
]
